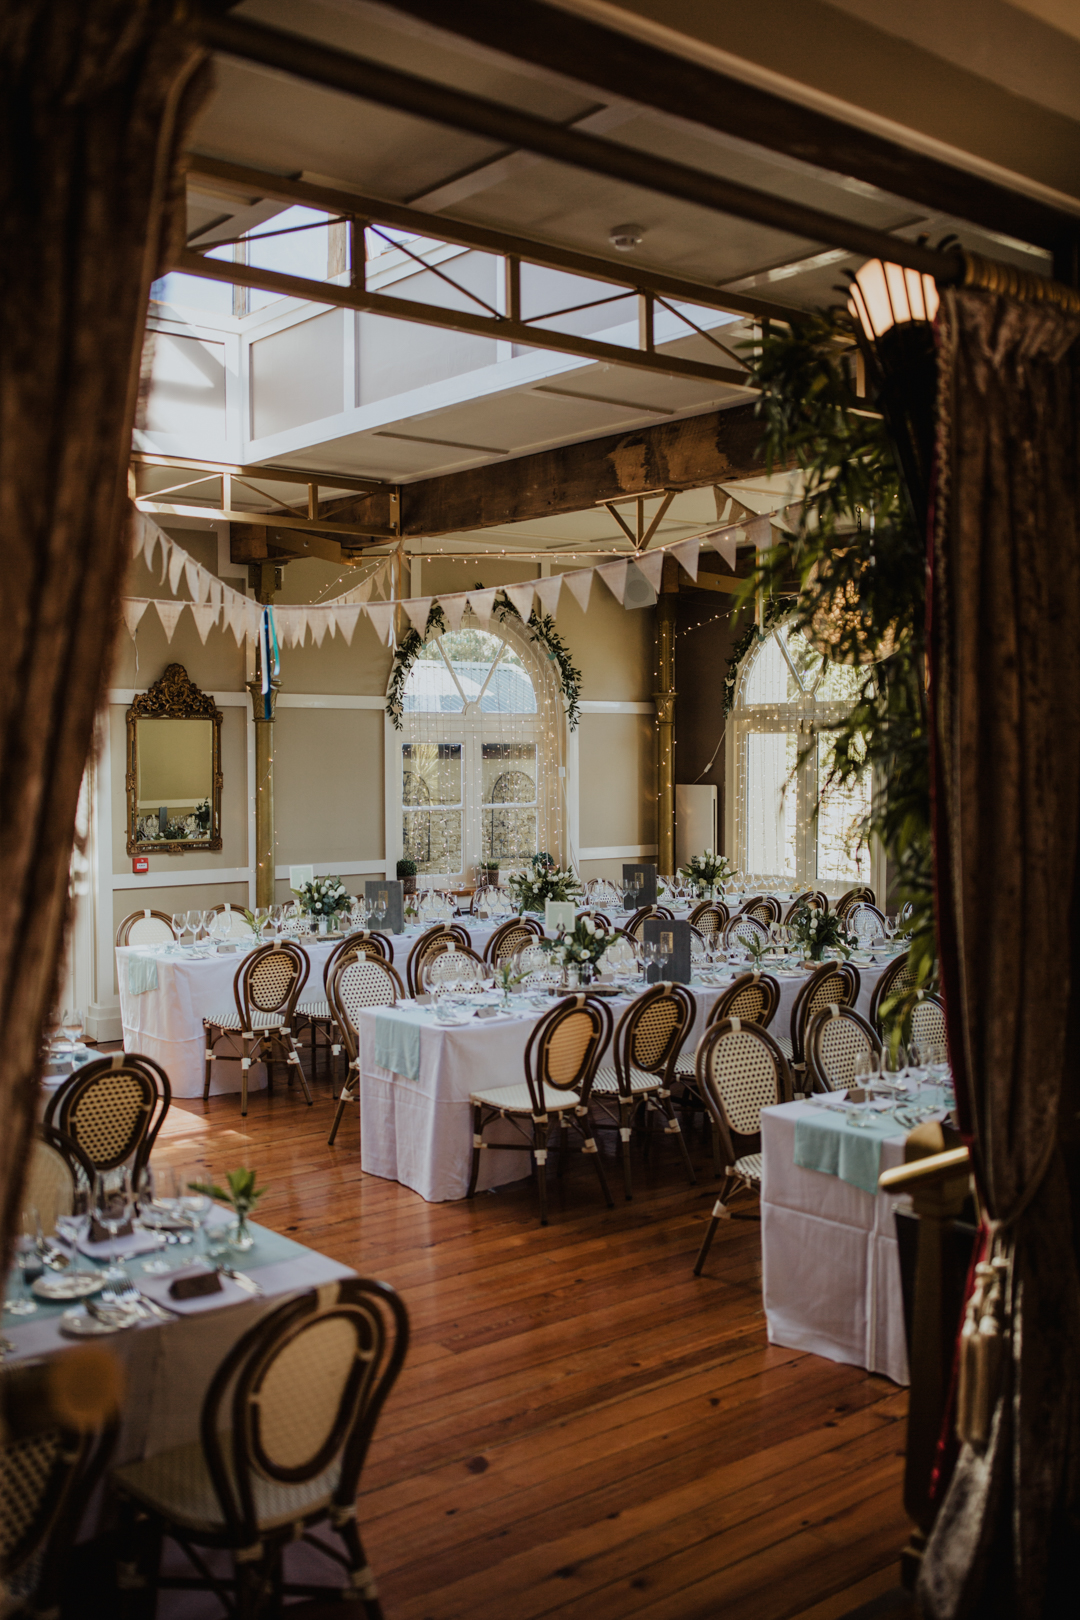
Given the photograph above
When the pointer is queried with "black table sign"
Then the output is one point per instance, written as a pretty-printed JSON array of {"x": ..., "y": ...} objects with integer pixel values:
[
  {"x": 675, "y": 937},
  {"x": 639, "y": 884},
  {"x": 386, "y": 894}
]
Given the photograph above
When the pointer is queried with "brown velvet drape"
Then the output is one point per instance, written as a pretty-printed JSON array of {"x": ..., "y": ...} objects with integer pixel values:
[
  {"x": 1005, "y": 697},
  {"x": 93, "y": 97}
]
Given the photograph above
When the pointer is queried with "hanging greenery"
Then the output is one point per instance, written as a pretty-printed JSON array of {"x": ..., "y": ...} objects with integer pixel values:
[
  {"x": 856, "y": 544},
  {"x": 541, "y": 627},
  {"x": 775, "y": 608}
]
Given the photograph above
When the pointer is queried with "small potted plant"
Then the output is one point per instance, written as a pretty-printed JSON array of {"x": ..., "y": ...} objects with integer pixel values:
[
  {"x": 241, "y": 1195},
  {"x": 406, "y": 871}
]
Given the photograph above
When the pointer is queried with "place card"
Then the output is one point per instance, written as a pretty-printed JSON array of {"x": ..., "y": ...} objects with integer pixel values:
[
  {"x": 387, "y": 896},
  {"x": 298, "y": 876},
  {"x": 559, "y": 916},
  {"x": 675, "y": 938},
  {"x": 639, "y": 884}
]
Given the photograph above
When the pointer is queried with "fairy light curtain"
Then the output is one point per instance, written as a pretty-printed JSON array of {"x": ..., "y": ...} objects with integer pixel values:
[
  {"x": 786, "y": 823},
  {"x": 478, "y": 757}
]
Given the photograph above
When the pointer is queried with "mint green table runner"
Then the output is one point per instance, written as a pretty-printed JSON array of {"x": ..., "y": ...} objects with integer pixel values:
[
  {"x": 141, "y": 974},
  {"x": 397, "y": 1040},
  {"x": 824, "y": 1141}
]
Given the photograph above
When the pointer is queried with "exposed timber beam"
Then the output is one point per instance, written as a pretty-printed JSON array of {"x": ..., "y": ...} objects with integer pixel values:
[
  {"x": 639, "y": 71},
  {"x": 497, "y": 327},
  {"x": 249, "y": 182},
  {"x": 691, "y": 453},
  {"x": 376, "y": 82}
]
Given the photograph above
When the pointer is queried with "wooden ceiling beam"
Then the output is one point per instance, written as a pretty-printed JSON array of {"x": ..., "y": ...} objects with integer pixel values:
[{"x": 693, "y": 452}]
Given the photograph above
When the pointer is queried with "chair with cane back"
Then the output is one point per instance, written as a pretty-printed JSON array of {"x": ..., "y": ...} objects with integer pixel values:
[
  {"x": 363, "y": 981},
  {"x": 113, "y": 1109},
  {"x": 710, "y": 918},
  {"x": 434, "y": 939},
  {"x": 315, "y": 1010},
  {"x": 825, "y": 986},
  {"x": 928, "y": 1023},
  {"x": 560, "y": 1062},
  {"x": 740, "y": 1071},
  {"x": 511, "y": 936},
  {"x": 647, "y": 1042},
  {"x": 266, "y": 988},
  {"x": 835, "y": 1037},
  {"x": 745, "y": 929},
  {"x": 58, "y": 1175},
  {"x": 764, "y": 907},
  {"x": 146, "y": 928},
  {"x": 635, "y": 924},
  {"x": 862, "y": 891},
  {"x": 897, "y": 977}
]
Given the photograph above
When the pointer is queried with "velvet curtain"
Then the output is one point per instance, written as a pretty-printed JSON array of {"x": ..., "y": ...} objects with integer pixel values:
[
  {"x": 94, "y": 95},
  {"x": 1005, "y": 699}
]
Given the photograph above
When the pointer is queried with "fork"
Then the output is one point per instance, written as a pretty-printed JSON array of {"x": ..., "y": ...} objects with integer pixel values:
[{"x": 128, "y": 1297}]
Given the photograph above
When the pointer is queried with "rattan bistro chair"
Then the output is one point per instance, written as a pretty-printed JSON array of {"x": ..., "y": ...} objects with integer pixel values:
[
  {"x": 865, "y": 921},
  {"x": 266, "y": 988},
  {"x": 745, "y": 929},
  {"x": 436, "y": 938},
  {"x": 365, "y": 981},
  {"x": 453, "y": 957},
  {"x": 710, "y": 918},
  {"x": 286, "y": 1425},
  {"x": 816, "y": 901},
  {"x": 314, "y": 1011},
  {"x": 600, "y": 920},
  {"x": 649, "y": 1036},
  {"x": 113, "y": 1109},
  {"x": 740, "y": 1071},
  {"x": 928, "y": 1023},
  {"x": 835, "y": 1037},
  {"x": 897, "y": 977},
  {"x": 635, "y": 925},
  {"x": 146, "y": 928},
  {"x": 862, "y": 891},
  {"x": 764, "y": 907},
  {"x": 826, "y": 986},
  {"x": 58, "y": 1425},
  {"x": 560, "y": 1062},
  {"x": 512, "y": 935},
  {"x": 752, "y": 997},
  {"x": 57, "y": 1175}
]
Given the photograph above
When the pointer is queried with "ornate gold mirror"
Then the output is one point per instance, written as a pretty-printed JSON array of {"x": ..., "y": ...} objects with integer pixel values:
[{"x": 173, "y": 768}]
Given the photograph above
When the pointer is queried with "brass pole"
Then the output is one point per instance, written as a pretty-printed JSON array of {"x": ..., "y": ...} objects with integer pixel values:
[
  {"x": 265, "y": 580},
  {"x": 664, "y": 698}
]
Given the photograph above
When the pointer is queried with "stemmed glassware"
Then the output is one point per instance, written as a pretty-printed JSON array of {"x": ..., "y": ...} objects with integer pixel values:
[
  {"x": 29, "y": 1264},
  {"x": 114, "y": 1203}
]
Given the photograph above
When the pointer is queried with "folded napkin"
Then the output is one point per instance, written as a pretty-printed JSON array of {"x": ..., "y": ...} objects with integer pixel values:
[
  {"x": 157, "y": 1288},
  {"x": 827, "y": 1143},
  {"x": 397, "y": 1040},
  {"x": 137, "y": 1242}
]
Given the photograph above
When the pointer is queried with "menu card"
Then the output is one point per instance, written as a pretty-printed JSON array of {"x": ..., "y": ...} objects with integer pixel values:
[
  {"x": 559, "y": 916},
  {"x": 387, "y": 896},
  {"x": 639, "y": 884},
  {"x": 675, "y": 938}
]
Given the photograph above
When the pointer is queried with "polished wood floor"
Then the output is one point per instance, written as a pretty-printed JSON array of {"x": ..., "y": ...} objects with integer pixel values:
[{"x": 583, "y": 1428}]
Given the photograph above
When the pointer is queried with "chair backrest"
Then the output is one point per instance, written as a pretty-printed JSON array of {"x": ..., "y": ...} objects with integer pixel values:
[
  {"x": 745, "y": 929},
  {"x": 824, "y": 986},
  {"x": 600, "y": 919},
  {"x": 864, "y": 921},
  {"x": 765, "y": 907},
  {"x": 431, "y": 940},
  {"x": 57, "y": 1172},
  {"x": 146, "y": 928},
  {"x": 452, "y": 957},
  {"x": 510, "y": 936},
  {"x": 852, "y": 980},
  {"x": 361, "y": 944},
  {"x": 366, "y": 981},
  {"x": 816, "y": 901},
  {"x": 637, "y": 922},
  {"x": 862, "y": 891},
  {"x": 739, "y": 1071},
  {"x": 299, "y": 1395},
  {"x": 113, "y": 1108},
  {"x": 270, "y": 981},
  {"x": 928, "y": 1022},
  {"x": 753, "y": 998},
  {"x": 835, "y": 1037},
  {"x": 897, "y": 977},
  {"x": 565, "y": 1046},
  {"x": 651, "y": 1032},
  {"x": 238, "y": 925},
  {"x": 709, "y": 917},
  {"x": 50, "y": 1462}
]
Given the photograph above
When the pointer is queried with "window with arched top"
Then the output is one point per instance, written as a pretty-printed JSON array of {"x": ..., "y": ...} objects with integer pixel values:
[
  {"x": 478, "y": 753},
  {"x": 782, "y": 817}
]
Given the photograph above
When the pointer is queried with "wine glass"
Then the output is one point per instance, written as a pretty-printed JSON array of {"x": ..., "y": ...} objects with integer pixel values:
[
  {"x": 114, "y": 1203},
  {"x": 29, "y": 1263},
  {"x": 179, "y": 922},
  {"x": 71, "y": 1025}
]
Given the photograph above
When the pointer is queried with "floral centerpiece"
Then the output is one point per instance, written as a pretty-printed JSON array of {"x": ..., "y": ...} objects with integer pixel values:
[
  {"x": 542, "y": 881},
  {"x": 581, "y": 946},
  {"x": 707, "y": 872},
  {"x": 324, "y": 897},
  {"x": 819, "y": 931}
]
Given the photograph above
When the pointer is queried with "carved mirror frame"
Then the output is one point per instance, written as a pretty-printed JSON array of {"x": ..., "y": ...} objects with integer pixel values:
[{"x": 174, "y": 697}]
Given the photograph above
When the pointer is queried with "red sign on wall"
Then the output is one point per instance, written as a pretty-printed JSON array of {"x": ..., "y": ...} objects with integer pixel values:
[{"x": 141, "y": 863}]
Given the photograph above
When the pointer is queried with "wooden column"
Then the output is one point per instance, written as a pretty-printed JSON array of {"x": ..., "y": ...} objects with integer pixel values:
[
  {"x": 664, "y": 697},
  {"x": 265, "y": 578}
]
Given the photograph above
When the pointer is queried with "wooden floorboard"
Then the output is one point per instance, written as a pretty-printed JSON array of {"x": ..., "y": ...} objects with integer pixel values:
[{"x": 584, "y": 1430}]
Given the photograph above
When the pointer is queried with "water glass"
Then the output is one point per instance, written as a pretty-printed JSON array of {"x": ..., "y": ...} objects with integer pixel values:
[{"x": 114, "y": 1202}]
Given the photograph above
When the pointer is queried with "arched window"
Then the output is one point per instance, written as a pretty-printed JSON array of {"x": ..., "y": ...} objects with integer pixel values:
[
  {"x": 478, "y": 754},
  {"x": 781, "y": 819}
]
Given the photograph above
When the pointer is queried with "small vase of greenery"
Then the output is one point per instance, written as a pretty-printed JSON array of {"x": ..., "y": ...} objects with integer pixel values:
[
  {"x": 820, "y": 931},
  {"x": 242, "y": 1195}
]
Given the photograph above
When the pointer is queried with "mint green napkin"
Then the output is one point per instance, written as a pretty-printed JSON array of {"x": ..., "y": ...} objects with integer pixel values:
[
  {"x": 827, "y": 1143},
  {"x": 397, "y": 1040},
  {"x": 141, "y": 974}
]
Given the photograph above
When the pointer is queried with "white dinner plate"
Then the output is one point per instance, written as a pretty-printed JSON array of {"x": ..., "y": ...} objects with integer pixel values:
[
  {"x": 79, "y": 1324},
  {"x": 68, "y": 1284}
]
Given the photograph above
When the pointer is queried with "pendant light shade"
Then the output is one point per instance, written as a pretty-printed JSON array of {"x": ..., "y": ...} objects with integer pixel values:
[{"x": 887, "y": 295}]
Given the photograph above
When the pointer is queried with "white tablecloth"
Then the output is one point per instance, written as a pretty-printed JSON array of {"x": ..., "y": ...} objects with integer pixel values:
[
  {"x": 830, "y": 1266},
  {"x": 419, "y": 1132}
]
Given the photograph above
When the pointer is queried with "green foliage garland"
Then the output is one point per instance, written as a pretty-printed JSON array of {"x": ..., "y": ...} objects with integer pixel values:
[
  {"x": 540, "y": 626},
  {"x": 775, "y": 608}
]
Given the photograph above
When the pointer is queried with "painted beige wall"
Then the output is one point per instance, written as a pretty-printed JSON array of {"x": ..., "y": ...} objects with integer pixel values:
[
  {"x": 328, "y": 785},
  {"x": 617, "y": 775}
]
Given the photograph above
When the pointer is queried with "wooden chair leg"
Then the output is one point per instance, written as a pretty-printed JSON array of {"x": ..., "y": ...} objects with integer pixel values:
[
  {"x": 209, "y": 1053},
  {"x": 295, "y": 1063},
  {"x": 564, "y": 1145},
  {"x": 591, "y": 1148},
  {"x": 626, "y": 1109},
  {"x": 245, "y": 1065},
  {"x": 477, "y": 1148},
  {"x": 540, "y": 1135},
  {"x": 673, "y": 1129},
  {"x": 703, "y": 1252},
  {"x": 717, "y": 1158},
  {"x": 363, "y": 1581}
]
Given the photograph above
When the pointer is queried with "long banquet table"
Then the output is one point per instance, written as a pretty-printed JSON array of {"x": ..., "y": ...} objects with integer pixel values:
[{"x": 419, "y": 1131}]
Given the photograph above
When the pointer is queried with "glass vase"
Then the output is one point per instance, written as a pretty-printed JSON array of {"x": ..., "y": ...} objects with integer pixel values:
[{"x": 240, "y": 1235}]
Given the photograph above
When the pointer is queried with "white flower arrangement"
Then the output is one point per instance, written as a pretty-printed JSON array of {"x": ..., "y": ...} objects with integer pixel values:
[
  {"x": 541, "y": 881},
  {"x": 584, "y": 943},
  {"x": 707, "y": 870},
  {"x": 323, "y": 897},
  {"x": 819, "y": 931}
]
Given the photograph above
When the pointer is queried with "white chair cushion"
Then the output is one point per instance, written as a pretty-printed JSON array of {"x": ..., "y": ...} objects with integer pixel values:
[
  {"x": 231, "y": 1020},
  {"x": 749, "y": 1166},
  {"x": 516, "y": 1099},
  {"x": 784, "y": 1043},
  {"x": 607, "y": 1080},
  {"x": 177, "y": 1485},
  {"x": 313, "y": 1009},
  {"x": 685, "y": 1065}
]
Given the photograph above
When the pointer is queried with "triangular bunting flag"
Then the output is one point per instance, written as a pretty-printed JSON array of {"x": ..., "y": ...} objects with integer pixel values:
[
  {"x": 168, "y": 613},
  {"x": 252, "y": 619},
  {"x": 418, "y": 608},
  {"x": 133, "y": 612},
  {"x": 687, "y": 554},
  {"x": 217, "y": 590},
  {"x": 345, "y": 618},
  {"x": 521, "y": 596},
  {"x": 651, "y": 564},
  {"x": 176, "y": 567},
  {"x": 205, "y": 615},
  {"x": 198, "y": 581},
  {"x": 724, "y": 541},
  {"x": 381, "y": 615},
  {"x": 318, "y": 623},
  {"x": 483, "y": 604},
  {"x": 579, "y": 584},
  {"x": 235, "y": 613},
  {"x": 613, "y": 575},
  {"x": 454, "y": 608},
  {"x": 290, "y": 625},
  {"x": 759, "y": 533},
  {"x": 547, "y": 591}
]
